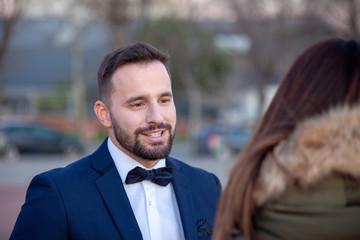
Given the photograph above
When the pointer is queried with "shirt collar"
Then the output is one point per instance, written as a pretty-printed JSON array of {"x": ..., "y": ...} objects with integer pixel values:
[{"x": 124, "y": 163}]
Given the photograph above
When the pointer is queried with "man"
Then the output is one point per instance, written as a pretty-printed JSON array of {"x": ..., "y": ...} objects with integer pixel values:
[{"x": 106, "y": 195}]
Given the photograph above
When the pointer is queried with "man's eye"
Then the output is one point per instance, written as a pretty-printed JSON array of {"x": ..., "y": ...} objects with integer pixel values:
[
  {"x": 136, "y": 105},
  {"x": 166, "y": 100}
]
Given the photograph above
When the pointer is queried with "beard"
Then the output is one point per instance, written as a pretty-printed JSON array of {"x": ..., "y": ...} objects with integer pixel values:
[{"x": 132, "y": 144}]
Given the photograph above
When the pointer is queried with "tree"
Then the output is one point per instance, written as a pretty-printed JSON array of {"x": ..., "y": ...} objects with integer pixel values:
[
  {"x": 342, "y": 15},
  {"x": 280, "y": 29},
  {"x": 254, "y": 19},
  {"x": 57, "y": 100},
  {"x": 115, "y": 13},
  {"x": 9, "y": 13}
]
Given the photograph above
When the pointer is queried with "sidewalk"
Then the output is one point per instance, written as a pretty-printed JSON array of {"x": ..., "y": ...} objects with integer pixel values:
[
  {"x": 12, "y": 197},
  {"x": 14, "y": 180}
]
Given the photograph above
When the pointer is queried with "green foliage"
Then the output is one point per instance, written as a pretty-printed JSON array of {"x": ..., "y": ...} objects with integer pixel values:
[
  {"x": 57, "y": 100},
  {"x": 192, "y": 51}
]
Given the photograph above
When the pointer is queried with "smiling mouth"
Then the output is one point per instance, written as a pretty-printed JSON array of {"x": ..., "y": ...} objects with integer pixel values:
[{"x": 156, "y": 134}]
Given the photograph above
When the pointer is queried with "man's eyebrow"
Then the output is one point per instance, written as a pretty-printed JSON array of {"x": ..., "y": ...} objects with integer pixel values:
[
  {"x": 166, "y": 94},
  {"x": 137, "y": 98},
  {"x": 144, "y": 97}
]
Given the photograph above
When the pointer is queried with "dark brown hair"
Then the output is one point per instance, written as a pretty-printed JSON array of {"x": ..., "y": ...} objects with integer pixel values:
[
  {"x": 135, "y": 53},
  {"x": 327, "y": 74}
]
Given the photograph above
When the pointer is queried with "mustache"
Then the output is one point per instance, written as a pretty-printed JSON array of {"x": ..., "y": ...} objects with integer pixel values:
[{"x": 153, "y": 127}]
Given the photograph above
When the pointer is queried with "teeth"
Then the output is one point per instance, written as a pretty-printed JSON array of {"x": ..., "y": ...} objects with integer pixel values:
[{"x": 158, "y": 134}]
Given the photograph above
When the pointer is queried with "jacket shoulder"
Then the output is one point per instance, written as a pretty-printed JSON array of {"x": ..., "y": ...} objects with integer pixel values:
[{"x": 194, "y": 174}]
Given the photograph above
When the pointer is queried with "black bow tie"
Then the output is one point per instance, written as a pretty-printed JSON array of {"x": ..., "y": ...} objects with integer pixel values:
[{"x": 161, "y": 176}]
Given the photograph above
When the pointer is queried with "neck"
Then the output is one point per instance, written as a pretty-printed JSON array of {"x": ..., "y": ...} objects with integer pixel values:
[{"x": 146, "y": 163}]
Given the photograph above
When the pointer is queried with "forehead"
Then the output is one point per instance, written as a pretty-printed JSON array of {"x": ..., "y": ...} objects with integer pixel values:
[{"x": 141, "y": 79}]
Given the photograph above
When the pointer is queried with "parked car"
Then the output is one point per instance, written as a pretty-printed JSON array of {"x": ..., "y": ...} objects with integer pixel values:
[
  {"x": 220, "y": 141},
  {"x": 16, "y": 138}
]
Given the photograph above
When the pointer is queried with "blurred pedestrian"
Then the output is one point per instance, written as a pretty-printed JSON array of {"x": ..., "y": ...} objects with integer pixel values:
[
  {"x": 129, "y": 188},
  {"x": 299, "y": 175}
]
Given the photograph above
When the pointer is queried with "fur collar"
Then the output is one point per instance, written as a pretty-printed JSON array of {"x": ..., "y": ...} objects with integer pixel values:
[{"x": 317, "y": 147}]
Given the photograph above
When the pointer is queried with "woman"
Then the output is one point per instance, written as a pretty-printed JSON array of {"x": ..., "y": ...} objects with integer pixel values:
[{"x": 299, "y": 175}]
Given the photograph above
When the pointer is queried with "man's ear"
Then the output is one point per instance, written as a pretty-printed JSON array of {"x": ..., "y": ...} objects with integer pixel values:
[{"x": 103, "y": 114}]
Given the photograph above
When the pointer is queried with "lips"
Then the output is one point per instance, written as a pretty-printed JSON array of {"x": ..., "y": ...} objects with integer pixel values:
[{"x": 155, "y": 135}]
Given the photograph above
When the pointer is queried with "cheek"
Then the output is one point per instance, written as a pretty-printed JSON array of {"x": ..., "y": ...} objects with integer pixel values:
[
  {"x": 128, "y": 122},
  {"x": 171, "y": 116},
  {"x": 131, "y": 124}
]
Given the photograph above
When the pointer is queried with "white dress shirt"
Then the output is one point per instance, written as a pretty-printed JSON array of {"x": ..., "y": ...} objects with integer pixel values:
[{"x": 155, "y": 207}]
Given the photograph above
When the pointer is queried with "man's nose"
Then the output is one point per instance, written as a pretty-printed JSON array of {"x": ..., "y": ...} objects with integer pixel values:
[{"x": 154, "y": 115}]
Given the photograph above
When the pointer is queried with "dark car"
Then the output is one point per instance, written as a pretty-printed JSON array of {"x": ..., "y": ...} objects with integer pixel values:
[
  {"x": 221, "y": 141},
  {"x": 19, "y": 138}
]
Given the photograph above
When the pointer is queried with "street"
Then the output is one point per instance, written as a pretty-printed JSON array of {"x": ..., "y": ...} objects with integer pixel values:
[{"x": 16, "y": 176}]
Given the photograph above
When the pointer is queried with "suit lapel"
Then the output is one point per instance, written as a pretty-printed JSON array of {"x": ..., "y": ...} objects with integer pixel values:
[
  {"x": 113, "y": 193},
  {"x": 182, "y": 188}
]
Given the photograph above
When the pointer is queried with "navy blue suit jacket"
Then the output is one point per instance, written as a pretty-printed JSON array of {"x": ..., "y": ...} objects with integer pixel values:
[{"x": 87, "y": 200}]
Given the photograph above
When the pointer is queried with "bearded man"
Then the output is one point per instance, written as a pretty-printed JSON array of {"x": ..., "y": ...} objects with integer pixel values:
[{"x": 129, "y": 188}]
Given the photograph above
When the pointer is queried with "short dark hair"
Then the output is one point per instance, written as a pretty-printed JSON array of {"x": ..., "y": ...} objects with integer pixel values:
[{"x": 134, "y": 53}]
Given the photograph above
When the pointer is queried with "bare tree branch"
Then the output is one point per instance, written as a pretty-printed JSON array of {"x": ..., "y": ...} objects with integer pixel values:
[{"x": 8, "y": 23}]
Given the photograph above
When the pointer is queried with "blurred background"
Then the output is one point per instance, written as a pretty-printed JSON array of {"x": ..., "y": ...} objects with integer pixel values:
[{"x": 226, "y": 59}]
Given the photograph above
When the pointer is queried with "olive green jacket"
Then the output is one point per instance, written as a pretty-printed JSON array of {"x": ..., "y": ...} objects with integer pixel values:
[{"x": 309, "y": 185}]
